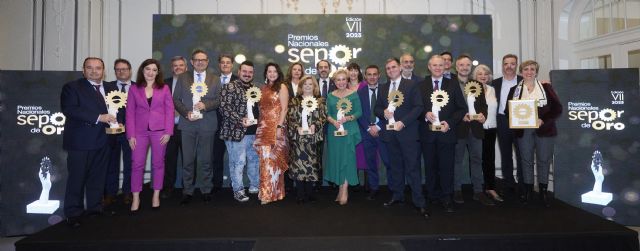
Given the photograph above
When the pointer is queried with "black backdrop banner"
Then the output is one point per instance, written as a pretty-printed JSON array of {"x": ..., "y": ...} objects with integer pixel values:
[
  {"x": 31, "y": 152},
  {"x": 599, "y": 128}
]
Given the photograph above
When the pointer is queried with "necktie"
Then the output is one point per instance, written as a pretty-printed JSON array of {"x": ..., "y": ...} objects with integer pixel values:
[
  {"x": 372, "y": 116},
  {"x": 98, "y": 91},
  {"x": 199, "y": 77},
  {"x": 123, "y": 87},
  {"x": 224, "y": 80},
  {"x": 393, "y": 86},
  {"x": 435, "y": 85},
  {"x": 324, "y": 88},
  {"x": 447, "y": 75}
]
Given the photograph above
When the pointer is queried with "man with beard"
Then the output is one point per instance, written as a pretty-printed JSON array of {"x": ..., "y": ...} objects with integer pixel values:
[
  {"x": 238, "y": 133},
  {"x": 326, "y": 84},
  {"x": 408, "y": 63}
]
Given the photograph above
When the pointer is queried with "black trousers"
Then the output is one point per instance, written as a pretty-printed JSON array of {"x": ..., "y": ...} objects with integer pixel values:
[
  {"x": 174, "y": 147},
  {"x": 507, "y": 141},
  {"x": 217, "y": 160},
  {"x": 87, "y": 174},
  {"x": 489, "y": 159}
]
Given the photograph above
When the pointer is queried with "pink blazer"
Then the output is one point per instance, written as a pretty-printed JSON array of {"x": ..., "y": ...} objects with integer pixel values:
[{"x": 141, "y": 117}]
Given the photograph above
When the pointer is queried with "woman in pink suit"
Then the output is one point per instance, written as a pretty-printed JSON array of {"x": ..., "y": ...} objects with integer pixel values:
[{"x": 149, "y": 122}]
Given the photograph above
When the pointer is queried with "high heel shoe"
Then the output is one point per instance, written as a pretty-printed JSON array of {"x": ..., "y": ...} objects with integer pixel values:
[
  {"x": 155, "y": 209},
  {"x": 495, "y": 196}
]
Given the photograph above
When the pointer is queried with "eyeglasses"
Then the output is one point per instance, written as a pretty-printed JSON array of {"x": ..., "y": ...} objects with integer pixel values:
[
  {"x": 200, "y": 60},
  {"x": 122, "y": 69}
]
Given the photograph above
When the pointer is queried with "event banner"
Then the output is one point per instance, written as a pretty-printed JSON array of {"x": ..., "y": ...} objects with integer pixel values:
[
  {"x": 33, "y": 173},
  {"x": 341, "y": 39},
  {"x": 597, "y": 154}
]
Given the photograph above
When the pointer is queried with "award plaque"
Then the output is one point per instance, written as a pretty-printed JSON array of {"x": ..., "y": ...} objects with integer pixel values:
[
  {"x": 115, "y": 100},
  {"x": 395, "y": 100},
  {"x": 198, "y": 90},
  {"x": 344, "y": 106},
  {"x": 309, "y": 104},
  {"x": 472, "y": 90},
  {"x": 439, "y": 99},
  {"x": 253, "y": 96},
  {"x": 523, "y": 114}
]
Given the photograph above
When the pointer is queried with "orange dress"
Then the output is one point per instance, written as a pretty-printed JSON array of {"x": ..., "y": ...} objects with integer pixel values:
[{"x": 272, "y": 151}]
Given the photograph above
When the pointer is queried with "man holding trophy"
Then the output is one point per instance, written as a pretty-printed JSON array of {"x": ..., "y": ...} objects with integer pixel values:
[
  {"x": 470, "y": 133},
  {"x": 197, "y": 97},
  {"x": 401, "y": 136},
  {"x": 444, "y": 107}
]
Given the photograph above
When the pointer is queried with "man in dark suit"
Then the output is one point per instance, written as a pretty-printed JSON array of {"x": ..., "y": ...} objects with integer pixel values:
[
  {"x": 174, "y": 146},
  {"x": 371, "y": 128},
  {"x": 85, "y": 141},
  {"x": 326, "y": 84},
  {"x": 506, "y": 139},
  {"x": 119, "y": 143},
  {"x": 402, "y": 142},
  {"x": 448, "y": 63},
  {"x": 225, "y": 65},
  {"x": 197, "y": 133},
  {"x": 470, "y": 135},
  {"x": 408, "y": 65},
  {"x": 438, "y": 147}
]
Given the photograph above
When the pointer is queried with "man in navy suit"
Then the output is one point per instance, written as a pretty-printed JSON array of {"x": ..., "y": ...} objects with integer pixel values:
[
  {"x": 402, "y": 142},
  {"x": 506, "y": 139},
  {"x": 370, "y": 129},
  {"x": 448, "y": 62},
  {"x": 225, "y": 65},
  {"x": 174, "y": 146},
  {"x": 326, "y": 84},
  {"x": 408, "y": 65},
  {"x": 438, "y": 147},
  {"x": 119, "y": 143},
  {"x": 85, "y": 141}
]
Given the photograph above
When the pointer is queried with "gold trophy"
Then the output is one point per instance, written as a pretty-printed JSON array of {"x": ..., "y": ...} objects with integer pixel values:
[
  {"x": 309, "y": 104},
  {"x": 439, "y": 99},
  {"x": 115, "y": 100},
  {"x": 395, "y": 100},
  {"x": 472, "y": 90},
  {"x": 198, "y": 90},
  {"x": 253, "y": 95},
  {"x": 344, "y": 106}
]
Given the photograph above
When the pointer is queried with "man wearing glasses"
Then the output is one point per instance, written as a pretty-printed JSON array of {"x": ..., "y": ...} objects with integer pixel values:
[
  {"x": 197, "y": 132},
  {"x": 118, "y": 142}
]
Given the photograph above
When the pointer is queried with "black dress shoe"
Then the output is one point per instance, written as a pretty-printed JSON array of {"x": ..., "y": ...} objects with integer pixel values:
[
  {"x": 424, "y": 212},
  {"x": 372, "y": 195},
  {"x": 185, "y": 200},
  {"x": 393, "y": 203},
  {"x": 448, "y": 206},
  {"x": 207, "y": 198},
  {"x": 73, "y": 222}
]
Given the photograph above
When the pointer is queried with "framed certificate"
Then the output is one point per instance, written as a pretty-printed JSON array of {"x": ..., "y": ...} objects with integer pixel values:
[{"x": 523, "y": 114}]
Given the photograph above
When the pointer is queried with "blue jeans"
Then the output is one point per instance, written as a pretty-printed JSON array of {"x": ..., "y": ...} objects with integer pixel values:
[{"x": 241, "y": 153}]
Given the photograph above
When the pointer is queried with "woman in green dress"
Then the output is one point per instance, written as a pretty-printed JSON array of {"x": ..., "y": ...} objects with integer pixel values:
[{"x": 343, "y": 109}]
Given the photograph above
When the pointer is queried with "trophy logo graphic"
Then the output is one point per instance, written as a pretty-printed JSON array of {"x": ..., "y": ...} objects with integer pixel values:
[
  {"x": 43, "y": 205},
  {"x": 115, "y": 100},
  {"x": 344, "y": 106},
  {"x": 198, "y": 90},
  {"x": 309, "y": 104},
  {"x": 395, "y": 100},
  {"x": 472, "y": 90},
  {"x": 253, "y": 96},
  {"x": 596, "y": 196},
  {"x": 439, "y": 99}
]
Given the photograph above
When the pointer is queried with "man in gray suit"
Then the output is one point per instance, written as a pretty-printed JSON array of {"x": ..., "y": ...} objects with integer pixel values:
[{"x": 197, "y": 133}]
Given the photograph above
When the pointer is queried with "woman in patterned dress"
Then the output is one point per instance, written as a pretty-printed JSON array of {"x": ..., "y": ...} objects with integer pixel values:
[
  {"x": 304, "y": 158},
  {"x": 271, "y": 140}
]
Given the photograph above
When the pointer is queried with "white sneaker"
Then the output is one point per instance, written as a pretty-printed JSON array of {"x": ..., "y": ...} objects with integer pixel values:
[
  {"x": 239, "y": 196},
  {"x": 254, "y": 190}
]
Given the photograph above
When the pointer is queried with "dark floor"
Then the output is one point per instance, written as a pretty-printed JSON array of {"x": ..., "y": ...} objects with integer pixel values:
[{"x": 250, "y": 225}]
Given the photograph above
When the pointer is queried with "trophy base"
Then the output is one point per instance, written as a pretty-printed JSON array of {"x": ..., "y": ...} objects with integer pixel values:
[
  {"x": 475, "y": 117},
  {"x": 598, "y": 198},
  {"x": 391, "y": 127},
  {"x": 43, "y": 207},
  {"x": 435, "y": 128},
  {"x": 303, "y": 131},
  {"x": 252, "y": 122},
  {"x": 340, "y": 133},
  {"x": 115, "y": 130},
  {"x": 196, "y": 115}
]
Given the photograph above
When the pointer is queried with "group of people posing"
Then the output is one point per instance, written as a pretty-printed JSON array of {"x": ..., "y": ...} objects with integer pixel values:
[{"x": 303, "y": 130}]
